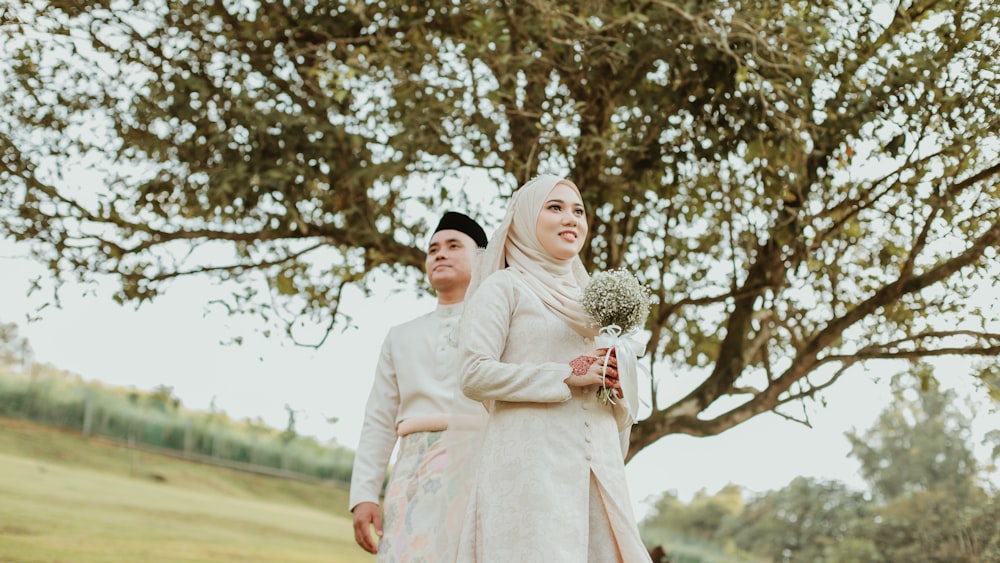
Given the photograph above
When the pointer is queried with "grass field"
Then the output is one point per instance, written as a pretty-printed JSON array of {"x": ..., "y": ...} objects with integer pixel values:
[{"x": 64, "y": 498}]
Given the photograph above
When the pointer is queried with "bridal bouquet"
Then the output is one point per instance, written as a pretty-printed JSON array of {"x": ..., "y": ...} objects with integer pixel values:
[{"x": 619, "y": 305}]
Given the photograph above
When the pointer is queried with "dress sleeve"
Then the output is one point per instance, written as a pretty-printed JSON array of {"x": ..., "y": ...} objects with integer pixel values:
[
  {"x": 624, "y": 438},
  {"x": 486, "y": 324},
  {"x": 378, "y": 432}
]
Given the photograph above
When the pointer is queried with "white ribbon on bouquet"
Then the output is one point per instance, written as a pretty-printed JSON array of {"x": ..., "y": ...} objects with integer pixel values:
[{"x": 628, "y": 349}]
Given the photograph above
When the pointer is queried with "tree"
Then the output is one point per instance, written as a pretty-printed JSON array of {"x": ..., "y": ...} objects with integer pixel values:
[
  {"x": 807, "y": 520},
  {"x": 927, "y": 502},
  {"x": 805, "y": 185},
  {"x": 919, "y": 443},
  {"x": 14, "y": 349},
  {"x": 163, "y": 399},
  {"x": 935, "y": 525},
  {"x": 919, "y": 462},
  {"x": 700, "y": 518}
]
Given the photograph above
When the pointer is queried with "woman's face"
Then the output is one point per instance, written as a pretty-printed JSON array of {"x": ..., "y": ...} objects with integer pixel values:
[{"x": 562, "y": 223}]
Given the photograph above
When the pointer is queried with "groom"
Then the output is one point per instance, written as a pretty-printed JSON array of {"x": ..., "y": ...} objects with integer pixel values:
[{"x": 411, "y": 397}]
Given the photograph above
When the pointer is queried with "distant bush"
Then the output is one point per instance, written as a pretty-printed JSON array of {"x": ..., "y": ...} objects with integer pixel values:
[{"x": 59, "y": 398}]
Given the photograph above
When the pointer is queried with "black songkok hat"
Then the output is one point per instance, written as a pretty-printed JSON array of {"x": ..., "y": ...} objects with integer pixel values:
[{"x": 462, "y": 223}]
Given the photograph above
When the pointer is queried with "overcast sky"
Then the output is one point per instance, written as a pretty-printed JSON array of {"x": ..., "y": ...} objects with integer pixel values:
[{"x": 173, "y": 342}]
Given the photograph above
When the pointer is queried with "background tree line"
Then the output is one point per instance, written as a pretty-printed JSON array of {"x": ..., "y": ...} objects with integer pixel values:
[
  {"x": 807, "y": 186},
  {"x": 929, "y": 498},
  {"x": 44, "y": 394}
]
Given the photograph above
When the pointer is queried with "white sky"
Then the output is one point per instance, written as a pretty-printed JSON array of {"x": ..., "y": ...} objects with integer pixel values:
[{"x": 173, "y": 342}]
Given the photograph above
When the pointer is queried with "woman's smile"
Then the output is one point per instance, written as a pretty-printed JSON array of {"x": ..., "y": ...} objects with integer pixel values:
[{"x": 562, "y": 223}]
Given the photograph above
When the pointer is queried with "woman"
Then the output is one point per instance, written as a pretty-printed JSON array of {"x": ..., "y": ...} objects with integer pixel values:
[{"x": 550, "y": 484}]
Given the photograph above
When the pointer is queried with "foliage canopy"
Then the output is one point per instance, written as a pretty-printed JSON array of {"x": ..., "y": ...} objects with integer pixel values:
[{"x": 805, "y": 185}]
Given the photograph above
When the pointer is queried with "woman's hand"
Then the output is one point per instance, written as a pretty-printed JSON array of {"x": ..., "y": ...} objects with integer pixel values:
[{"x": 589, "y": 369}]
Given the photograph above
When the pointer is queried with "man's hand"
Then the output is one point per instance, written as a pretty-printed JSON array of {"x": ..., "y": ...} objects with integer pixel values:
[{"x": 366, "y": 514}]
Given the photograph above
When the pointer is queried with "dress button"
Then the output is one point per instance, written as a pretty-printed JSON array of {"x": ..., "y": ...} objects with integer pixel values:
[
  {"x": 583, "y": 406},
  {"x": 586, "y": 439},
  {"x": 586, "y": 423},
  {"x": 589, "y": 457}
]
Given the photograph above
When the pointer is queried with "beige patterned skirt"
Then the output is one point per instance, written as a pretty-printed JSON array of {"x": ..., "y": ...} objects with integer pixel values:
[{"x": 415, "y": 504}]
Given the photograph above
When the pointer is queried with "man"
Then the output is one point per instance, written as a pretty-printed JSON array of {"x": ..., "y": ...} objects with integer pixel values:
[{"x": 411, "y": 397}]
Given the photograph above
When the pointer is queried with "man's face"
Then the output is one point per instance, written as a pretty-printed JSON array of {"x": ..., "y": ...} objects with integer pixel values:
[{"x": 449, "y": 260}]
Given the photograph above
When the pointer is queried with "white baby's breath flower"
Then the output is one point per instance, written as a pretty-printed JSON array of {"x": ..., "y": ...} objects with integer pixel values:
[
  {"x": 619, "y": 303},
  {"x": 615, "y": 297}
]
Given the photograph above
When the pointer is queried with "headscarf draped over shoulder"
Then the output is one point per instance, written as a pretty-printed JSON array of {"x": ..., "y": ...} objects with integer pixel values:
[{"x": 515, "y": 245}]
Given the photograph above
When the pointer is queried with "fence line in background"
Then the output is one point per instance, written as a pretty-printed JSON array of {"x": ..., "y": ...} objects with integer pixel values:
[{"x": 220, "y": 462}]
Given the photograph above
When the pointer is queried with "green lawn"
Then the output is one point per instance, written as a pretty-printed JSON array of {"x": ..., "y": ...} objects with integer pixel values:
[{"x": 64, "y": 498}]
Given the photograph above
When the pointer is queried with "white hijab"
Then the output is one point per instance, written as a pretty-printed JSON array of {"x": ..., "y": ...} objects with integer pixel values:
[{"x": 558, "y": 283}]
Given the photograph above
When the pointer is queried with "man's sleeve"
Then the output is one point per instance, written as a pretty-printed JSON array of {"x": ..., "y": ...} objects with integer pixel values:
[{"x": 378, "y": 433}]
